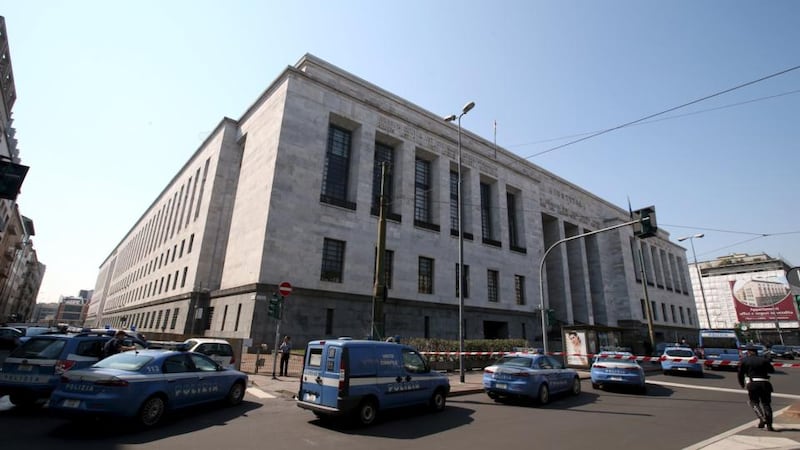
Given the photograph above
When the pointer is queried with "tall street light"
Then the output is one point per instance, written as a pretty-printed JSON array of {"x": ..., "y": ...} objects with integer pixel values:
[
  {"x": 699, "y": 276},
  {"x": 460, "y": 281}
]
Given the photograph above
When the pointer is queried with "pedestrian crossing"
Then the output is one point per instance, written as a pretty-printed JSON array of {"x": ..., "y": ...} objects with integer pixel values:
[{"x": 258, "y": 393}]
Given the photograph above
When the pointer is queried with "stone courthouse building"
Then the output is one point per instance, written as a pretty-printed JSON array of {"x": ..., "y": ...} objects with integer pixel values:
[{"x": 288, "y": 192}]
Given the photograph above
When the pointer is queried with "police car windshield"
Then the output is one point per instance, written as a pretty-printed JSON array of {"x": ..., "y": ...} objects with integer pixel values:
[
  {"x": 129, "y": 361},
  {"x": 516, "y": 361},
  {"x": 680, "y": 353}
]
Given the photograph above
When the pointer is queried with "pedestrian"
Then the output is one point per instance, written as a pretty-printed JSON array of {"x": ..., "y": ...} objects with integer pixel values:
[
  {"x": 285, "y": 350},
  {"x": 116, "y": 345},
  {"x": 753, "y": 374}
]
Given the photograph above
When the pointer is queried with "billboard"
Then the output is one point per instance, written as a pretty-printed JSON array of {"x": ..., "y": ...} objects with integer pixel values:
[{"x": 763, "y": 302}]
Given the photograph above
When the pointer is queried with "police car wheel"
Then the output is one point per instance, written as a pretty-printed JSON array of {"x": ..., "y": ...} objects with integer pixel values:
[
  {"x": 22, "y": 400},
  {"x": 367, "y": 412},
  {"x": 438, "y": 400},
  {"x": 576, "y": 386},
  {"x": 151, "y": 411},
  {"x": 544, "y": 394},
  {"x": 235, "y": 395}
]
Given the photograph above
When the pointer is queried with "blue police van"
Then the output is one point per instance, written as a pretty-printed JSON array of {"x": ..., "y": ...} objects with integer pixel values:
[{"x": 359, "y": 378}]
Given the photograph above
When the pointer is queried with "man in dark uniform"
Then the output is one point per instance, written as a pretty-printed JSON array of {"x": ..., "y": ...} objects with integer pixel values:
[{"x": 754, "y": 373}]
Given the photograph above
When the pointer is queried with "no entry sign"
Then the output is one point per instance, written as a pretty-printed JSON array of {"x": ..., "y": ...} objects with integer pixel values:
[{"x": 285, "y": 289}]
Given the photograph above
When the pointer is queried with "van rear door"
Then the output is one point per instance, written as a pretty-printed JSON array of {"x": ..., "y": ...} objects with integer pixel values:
[{"x": 320, "y": 379}]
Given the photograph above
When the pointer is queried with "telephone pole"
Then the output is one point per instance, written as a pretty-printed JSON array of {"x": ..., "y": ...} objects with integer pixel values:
[{"x": 379, "y": 289}]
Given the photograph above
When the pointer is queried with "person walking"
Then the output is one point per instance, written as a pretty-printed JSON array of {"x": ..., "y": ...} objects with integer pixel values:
[
  {"x": 753, "y": 373},
  {"x": 285, "y": 350}
]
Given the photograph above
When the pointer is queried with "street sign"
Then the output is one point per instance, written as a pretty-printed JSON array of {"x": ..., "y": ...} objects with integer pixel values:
[{"x": 285, "y": 289}]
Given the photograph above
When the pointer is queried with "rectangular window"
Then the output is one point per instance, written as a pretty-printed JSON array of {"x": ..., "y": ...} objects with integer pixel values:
[
  {"x": 383, "y": 154},
  {"x": 689, "y": 316},
  {"x": 388, "y": 263},
  {"x": 175, "y": 281},
  {"x": 644, "y": 309},
  {"x": 465, "y": 281},
  {"x": 492, "y": 278},
  {"x": 166, "y": 319},
  {"x": 486, "y": 212},
  {"x": 202, "y": 188},
  {"x": 427, "y": 328},
  {"x": 672, "y": 311},
  {"x": 683, "y": 318},
  {"x": 152, "y": 320},
  {"x": 174, "y": 318},
  {"x": 422, "y": 191},
  {"x": 238, "y": 316},
  {"x": 183, "y": 278},
  {"x": 425, "y": 276},
  {"x": 209, "y": 317},
  {"x": 519, "y": 289},
  {"x": 511, "y": 209},
  {"x": 337, "y": 166},
  {"x": 191, "y": 241},
  {"x": 332, "y": 260},
  {"x": 158, "y": 321},
  {"x": 653, "y": 310},
  {"x": 183, "y": 244},
  {"x": 454, "y": 203},
  {"x": 664, "y": 313},
  {"x": 224, "y": 318}
]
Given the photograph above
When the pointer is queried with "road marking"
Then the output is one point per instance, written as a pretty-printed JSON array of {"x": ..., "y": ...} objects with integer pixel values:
[
  {"x": 259, "y": 393},
  {"x": 708, "y": 388}
]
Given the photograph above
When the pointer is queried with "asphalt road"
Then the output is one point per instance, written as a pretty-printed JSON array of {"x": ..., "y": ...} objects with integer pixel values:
[{"x": 673, "y": 414}]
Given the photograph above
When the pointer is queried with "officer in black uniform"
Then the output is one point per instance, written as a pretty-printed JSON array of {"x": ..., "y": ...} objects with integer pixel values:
[{"x": 754, "y": 373}]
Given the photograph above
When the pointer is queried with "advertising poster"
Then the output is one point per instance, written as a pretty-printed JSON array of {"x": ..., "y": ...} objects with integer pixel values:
[
  {"x": 765, "y": 302},
  {"x": 576, "y": 348}
]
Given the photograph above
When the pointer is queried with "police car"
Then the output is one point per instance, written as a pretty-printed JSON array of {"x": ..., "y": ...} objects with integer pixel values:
[
  {"x": 145, "y": 385},
  {"x": 359, "y": 378}
]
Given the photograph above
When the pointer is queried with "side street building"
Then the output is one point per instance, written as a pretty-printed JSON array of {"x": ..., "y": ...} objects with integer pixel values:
[
  {"x": 21, "y": 272},
  {"x": 289, "y": 193}
]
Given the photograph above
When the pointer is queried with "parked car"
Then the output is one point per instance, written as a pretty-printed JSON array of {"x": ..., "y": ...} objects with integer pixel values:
[
  {"x": 617, "y": 369},
  {"x": 529, "y": 376},
  {"x": 360, "y": 378},
  {"x": 29, "y": 332},
  {"x": 9, "y": 338},
  {"x": 781, "y": 352},
  {"x": 681, "y": 360},
  {"x": 219, "y": 350},
  {"x": 146, "y": 385},
  {"x": 31, "y": 371}
]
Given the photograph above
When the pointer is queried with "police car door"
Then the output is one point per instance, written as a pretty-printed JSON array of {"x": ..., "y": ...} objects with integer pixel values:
[
  {"x": 181, "y": 380},
  {"x": 559, "y": 377},
  {"x": 210, "y": 381}
]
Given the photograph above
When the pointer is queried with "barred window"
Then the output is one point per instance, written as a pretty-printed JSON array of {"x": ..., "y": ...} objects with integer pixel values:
[
  {"x": 337, "y": 165},
  {"x": 465, "y": 281},
  {"x": 511, "y": 208},
  {"x": 491, "y": 283},
  {"x": 332, "y": 260},
  {"x": 486, "y": 212},
  {"x": 519, "y": 289},
  {"x": 422, "y": 193},
  {"x": 454, "y": 201},
  {"x": 383, "y": 154},
  {"x": 425, "y": 275}
]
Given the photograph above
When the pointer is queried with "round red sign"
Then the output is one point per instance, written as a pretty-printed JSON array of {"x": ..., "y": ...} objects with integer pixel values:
[{"x": 285, "y": 289}]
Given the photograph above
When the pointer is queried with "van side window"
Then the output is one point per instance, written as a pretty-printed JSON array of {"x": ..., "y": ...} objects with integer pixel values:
[
  {"x": 331, "y": 361},
  {"x": 413, "y": 362}
]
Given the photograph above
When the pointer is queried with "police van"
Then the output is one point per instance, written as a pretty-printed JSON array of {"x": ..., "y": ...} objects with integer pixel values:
[{"x": 359, "y": 378}]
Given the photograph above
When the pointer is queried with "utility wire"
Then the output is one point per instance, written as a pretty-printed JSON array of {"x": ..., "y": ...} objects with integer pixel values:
[
  {"x": 677, "y": 116},
  {"x": 608, "y": 130}
]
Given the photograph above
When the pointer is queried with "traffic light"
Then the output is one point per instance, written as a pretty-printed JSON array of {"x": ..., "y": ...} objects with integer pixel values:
[
  {"x": 551, "y": 316},
  {"x": 645, "y": 225},
  {"x": 274, "y": 309}
]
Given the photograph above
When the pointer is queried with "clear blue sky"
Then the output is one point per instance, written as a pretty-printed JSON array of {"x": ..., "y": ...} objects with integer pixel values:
[{"x": 113, "y": 98}]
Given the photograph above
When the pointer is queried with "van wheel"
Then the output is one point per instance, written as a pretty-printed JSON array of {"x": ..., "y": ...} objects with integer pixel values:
[
  {"x": 235, "y": 395},
  {"x": 544, "y": 394},
  {"x": 438, "y": 400},
  {"x": 493, "y": 395},
  {"x": 367, "y": 412},
  {"x": 152, "y": 411}
]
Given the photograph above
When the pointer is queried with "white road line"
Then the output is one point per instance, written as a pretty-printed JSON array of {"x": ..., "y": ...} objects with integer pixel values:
[
  {"x": 256, "y": 392},
  {"x": 708, "y": 388}
]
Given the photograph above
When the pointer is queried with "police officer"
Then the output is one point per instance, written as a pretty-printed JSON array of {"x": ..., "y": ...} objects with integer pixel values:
[{"x": 754, "y": 373}]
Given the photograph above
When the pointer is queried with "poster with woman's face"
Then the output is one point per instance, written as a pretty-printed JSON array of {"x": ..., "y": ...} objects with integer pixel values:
[{"x": 576, "y": 348}]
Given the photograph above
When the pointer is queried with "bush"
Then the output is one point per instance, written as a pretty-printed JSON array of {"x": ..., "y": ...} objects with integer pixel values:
[{"x": 473, "y": 345}]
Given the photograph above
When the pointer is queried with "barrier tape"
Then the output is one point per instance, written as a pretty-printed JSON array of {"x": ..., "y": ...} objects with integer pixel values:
[{"x": 707, "y": 362}]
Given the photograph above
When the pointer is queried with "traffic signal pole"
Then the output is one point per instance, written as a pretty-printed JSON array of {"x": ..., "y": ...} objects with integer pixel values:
[{"x": 278, "y": 315}]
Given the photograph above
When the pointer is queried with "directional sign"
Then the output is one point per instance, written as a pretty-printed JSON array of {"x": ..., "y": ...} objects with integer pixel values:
[{"x": 285, "y": 289}]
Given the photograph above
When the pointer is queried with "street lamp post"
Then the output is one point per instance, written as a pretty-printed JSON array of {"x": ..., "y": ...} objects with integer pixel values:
[
  {"x": 460, "y": 281},
  {"x": 699, "y": 275}
]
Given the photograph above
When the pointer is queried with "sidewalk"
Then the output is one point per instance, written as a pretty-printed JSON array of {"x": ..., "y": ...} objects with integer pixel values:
[{"x": 744, "y": 437}]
